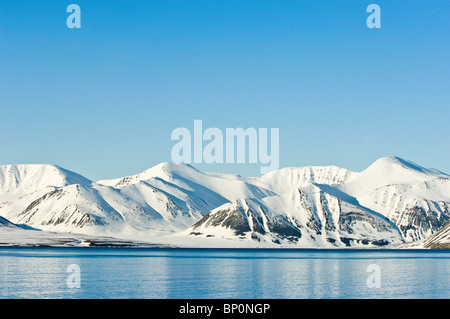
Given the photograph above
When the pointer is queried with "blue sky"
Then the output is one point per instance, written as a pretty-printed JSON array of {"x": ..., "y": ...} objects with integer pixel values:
[{"x": 103, "y": 100}]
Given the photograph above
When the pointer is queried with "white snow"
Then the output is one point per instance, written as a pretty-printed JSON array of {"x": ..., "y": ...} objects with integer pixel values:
[{"x": 160, "y": 204}]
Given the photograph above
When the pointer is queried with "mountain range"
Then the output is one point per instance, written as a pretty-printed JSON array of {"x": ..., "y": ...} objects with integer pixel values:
[{"x": 393, "y": 202}]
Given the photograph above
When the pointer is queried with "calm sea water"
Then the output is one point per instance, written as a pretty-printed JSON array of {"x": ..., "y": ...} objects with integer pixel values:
[{"x": 207, "y": 273}]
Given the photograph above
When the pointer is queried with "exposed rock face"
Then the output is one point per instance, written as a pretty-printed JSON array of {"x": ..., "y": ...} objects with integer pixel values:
[{"x": 392, "y": 201}]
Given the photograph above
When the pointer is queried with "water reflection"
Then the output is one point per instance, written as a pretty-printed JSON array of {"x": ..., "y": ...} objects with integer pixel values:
[{"x": 121, "y": 273}]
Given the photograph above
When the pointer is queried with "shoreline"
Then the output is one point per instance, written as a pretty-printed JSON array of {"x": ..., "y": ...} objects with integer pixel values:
[{"x": 122, "y": 246}]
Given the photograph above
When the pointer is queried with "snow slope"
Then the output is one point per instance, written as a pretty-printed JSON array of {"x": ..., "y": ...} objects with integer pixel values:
[
  {"x": 289, "y": 178},
  {"x": 416, "y": 199},
  {"x": 33, "y": 177},
  {"x": 187, "y": 178},
  {"x": 392, "y": 201},
  {"x": 6, "y": 223},
  {"x": 306, "y": 217},
  {"x": 441, "y": 239},
  {"x": 390, "y": 170}
]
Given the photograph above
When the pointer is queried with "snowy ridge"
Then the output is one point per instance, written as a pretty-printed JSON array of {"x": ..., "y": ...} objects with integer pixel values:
[
  {"x": 187, "y": 178},
  {"x": 308, "y": 217},
  {"x": 286, "y": 179},
  {"x": 6, "y": 223},
  {"x": 441, "y": 239},
  {"x": 32, "y": 177},
  {"x": 388, "y": 171},
  {"x": 416, "y": 199},
  {"x": 391, "y": 202}
]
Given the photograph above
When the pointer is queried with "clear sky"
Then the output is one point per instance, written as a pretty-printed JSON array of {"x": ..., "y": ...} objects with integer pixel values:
[{"x": 103, "y": 100}]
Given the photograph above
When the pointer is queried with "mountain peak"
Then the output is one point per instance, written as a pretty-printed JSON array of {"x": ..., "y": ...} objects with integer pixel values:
[
  {"x": 162, "y": 170},
  {"x": 395, "y": 160},
  {"x": 31, "y": 177},
  {"x": 167, "y": 168},
  {"x": 391, "y": 170}
]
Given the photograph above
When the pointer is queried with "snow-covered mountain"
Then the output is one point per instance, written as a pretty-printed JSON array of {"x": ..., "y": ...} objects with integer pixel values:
[
  {"x": 416, "y": 199},
  {"x": 33, "y": 177},
  {"x": 289, "y": 178},
  {"x": 165, "y": 198},
  {"x": 6, "y": 223},
  {"x": 391, "y": 202},
  {"x": 306, "y": 216},
  {"x": 53, "y": 199},
  {"x": 441, "y": 239}
]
